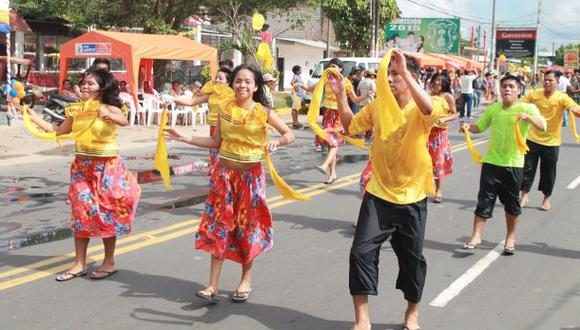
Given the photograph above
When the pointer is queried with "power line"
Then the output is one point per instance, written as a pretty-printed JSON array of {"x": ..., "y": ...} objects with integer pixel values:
[
  {"x": 449, "y": 12},
  {"x": 554, "y": 32}
]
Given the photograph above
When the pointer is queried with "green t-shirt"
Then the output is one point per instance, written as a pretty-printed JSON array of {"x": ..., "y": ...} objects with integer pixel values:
[{"x": 502, "y": 149}]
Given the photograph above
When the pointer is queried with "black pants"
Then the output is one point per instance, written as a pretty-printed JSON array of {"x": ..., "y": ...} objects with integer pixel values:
[
  {"x": 378, "y": 221},
  {"x": 498, "y": 181},
  {"x": 547, "y": 156}
]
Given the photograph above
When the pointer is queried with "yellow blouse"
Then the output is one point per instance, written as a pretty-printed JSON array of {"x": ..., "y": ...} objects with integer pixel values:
[
  {"x": 446, "y": 110},
  {"x": 330, "y": 98},
  {"x": 243, "y": 132},
  {"x": 98, "y": 136},
  {"x": 217, "y": 94}
]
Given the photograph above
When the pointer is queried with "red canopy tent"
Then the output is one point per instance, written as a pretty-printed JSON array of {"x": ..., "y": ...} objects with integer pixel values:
[{"x": 137, "y": 51}]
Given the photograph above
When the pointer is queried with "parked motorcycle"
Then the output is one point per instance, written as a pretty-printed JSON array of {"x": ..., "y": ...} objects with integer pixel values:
[{"x": 53, "y": 111}]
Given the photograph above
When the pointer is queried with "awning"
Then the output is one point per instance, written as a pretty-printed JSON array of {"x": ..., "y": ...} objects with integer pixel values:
[
  {"x": 17, "y": 23},
  {"x": 427, "y": 59}
]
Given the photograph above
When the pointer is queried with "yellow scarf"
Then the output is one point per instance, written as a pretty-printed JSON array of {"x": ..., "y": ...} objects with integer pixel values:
[
  {"x": 474, "y": 153},
  {"x": 314, "y": 111},
  {"x": 284, "y": 189},
  {"x": 160, "y": 160},
  {"x": 520, "y": 141},
  {"x": 572, "y": 120},
  {"x": 90, "y": 108},
  {"x": 389, "y": 113},
  {"x": 296, "y": 99}
]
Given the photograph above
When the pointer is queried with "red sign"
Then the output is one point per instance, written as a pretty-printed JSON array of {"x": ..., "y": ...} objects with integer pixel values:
[
  {"x": 516, "y": 35},
  {"x": 515, "y": 43}
]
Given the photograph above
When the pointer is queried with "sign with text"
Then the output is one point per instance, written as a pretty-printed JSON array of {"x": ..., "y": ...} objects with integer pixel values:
[
  {"x": 515, "y": 43},
  {"x": 423, "y": 35},
  {"x": 571, "y": 58},
  {"x": 93, "y": 48}
]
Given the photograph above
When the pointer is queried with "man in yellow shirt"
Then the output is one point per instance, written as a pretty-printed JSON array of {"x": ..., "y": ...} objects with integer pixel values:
[
  {"x": 545, "y": 145},
  {"x": 395, "y": 203}
]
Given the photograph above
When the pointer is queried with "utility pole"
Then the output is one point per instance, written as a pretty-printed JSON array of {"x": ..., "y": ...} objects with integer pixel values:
[
  {"x": 492, "y": 39},
  {"x": 373, "y": 27},
  {"x": 537, "y": 37}
]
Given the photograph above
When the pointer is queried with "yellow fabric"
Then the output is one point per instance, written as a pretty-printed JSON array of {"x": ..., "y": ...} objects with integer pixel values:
[
  {"x": 553, "y": 110},
  {"x": 284, "y": 189},
  {"x": 217, "y": 94},
  {"x": 296, "y": 99},
  {"x": 520, "y": 141},
  {"x": 33, "y": 129},
  {"x": 330, "y": 98},
  {"x": 402, "y": 167},
  {"x": 475, "y": 155},
  {"x": 572, "y": 121},
  {"x": 315, "y": 103},
  {"x": 160, "y": 160},
  {"x": 244, "y": 137},
  {"x": 99, "y": 136},
  {"x": 391, "y": 118},
  {"x": 446, "y": 109},
  {"x": 263, "y": 54}
]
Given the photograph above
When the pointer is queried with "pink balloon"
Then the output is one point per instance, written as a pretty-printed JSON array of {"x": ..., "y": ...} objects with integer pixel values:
[{"x": 266, "y": 36}]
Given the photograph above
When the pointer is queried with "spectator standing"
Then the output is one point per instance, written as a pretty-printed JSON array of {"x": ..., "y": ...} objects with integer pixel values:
[
  {"x": 466, "y": 93},
  {"x": 479, "y": 88},
  {"x": 296, "y": 82}
]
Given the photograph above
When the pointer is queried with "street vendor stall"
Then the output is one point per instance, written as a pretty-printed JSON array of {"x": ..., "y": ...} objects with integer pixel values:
[{"x": 137, "y": 51}]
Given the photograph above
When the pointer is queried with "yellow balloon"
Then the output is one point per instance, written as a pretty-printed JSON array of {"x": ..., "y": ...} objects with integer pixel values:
[
  {"x": 15, "y": 100},
  {"x": 258, "y": 21}
]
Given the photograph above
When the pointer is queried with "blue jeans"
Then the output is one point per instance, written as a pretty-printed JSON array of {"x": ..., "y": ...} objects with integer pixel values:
[
  {"x": 477, "y": 95},
  {"x": 467, "y": 100}
]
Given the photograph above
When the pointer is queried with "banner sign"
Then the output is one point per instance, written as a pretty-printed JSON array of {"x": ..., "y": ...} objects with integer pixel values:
[
  {"x": 93, "y": 48},
  {"x": 571, "y": 58},
  {"x": 5, "y": 12},
  {"x": 515, "y": 43},
  {"x": 423, "y": 35}
]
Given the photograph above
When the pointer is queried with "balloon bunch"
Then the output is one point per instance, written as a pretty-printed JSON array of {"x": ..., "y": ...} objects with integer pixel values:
[
  {"x": 263, "y": 53},
  {"x": 17, "y": 91}
]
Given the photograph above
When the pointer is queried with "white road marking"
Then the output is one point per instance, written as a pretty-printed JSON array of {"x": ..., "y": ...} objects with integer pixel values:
[
  {"x": 469, "y": 276},
  {"x": 574, "y": 183}
]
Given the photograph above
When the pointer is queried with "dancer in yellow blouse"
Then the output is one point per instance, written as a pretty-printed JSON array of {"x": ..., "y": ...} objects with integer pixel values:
[
  {"x": 545, "y": 145},
  {"x": 103, "y": 194},
  {"x": 237, "y": 224}
]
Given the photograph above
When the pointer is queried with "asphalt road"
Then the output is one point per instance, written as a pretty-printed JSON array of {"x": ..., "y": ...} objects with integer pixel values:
[{"x": 303, "y": 282}]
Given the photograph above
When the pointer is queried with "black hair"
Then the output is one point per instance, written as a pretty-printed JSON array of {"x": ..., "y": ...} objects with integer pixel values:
[
  {"x": 395, "y": 35},
  {"x": 122, "y": 82},
  {"x": 100, "y": 60},
  {"x": 227, "y": 71},
  {"x": 259, "y": 96},
  {"x": 510, "y": 76},
  {"x": 65, "y": 81},
  {"x": 295, "y": 69},
  {"x": 337, "y": 62},
  {"x": 445, "y": 82},
  {"x": 226, "y": 63},
  {"x": 556, "y": 73},
  {"x": 412, "y": 65},
  {"x": 411, "y": 33},
  {"x": 108, "y": 86}
]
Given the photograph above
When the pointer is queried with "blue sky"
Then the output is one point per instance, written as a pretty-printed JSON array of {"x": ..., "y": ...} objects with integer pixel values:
[{"x": 562, "y": 17}]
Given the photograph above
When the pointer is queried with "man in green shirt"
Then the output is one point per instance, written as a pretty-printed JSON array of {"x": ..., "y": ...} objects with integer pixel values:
[{"x": 502, "y": 168}]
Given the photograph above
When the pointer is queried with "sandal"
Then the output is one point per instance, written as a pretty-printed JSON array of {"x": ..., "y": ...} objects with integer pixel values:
[
  {"x": 330, "y": 180},
  {"x": 509, "y": 250},
  {"x": 104, "y": 274},
  {"x": 438, "y": 199},
  {"x": 67, "y": 275},
  {"x": 208, "y": 295},
  {"x": 469, "y": 246},
  {"x": 241, "y": 296}
]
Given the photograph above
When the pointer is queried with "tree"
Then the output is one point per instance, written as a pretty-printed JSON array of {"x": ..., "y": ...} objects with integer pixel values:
[
  {"x": 352, "y": 21},
  {"x": 560, "y": 53}
]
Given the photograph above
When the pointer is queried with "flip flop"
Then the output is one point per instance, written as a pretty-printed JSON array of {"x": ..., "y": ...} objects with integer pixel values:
[
  {"x": 468, "y": 246},
  {"x": 407, "y": 328},
  {"x": 241, "y": 296},
  {"x": 212, "y": 297},
  {"x": 438, "y": 199},
  {"x": 509, "y": 250},
  {"x": 67, "y": 275},
  {"x": 107, "y": 274},
  {"x": 330, "y": 181}
]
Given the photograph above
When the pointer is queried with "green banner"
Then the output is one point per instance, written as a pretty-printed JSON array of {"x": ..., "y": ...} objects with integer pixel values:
[{"x": 423, "y": 35}]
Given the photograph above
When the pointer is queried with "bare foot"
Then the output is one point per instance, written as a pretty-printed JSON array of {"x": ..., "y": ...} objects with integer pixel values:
[
  {"x": 412, "y": 317},
  {"x": 524, "y": 199},
  {"x": 546, "y": 204},
  {"x": 323, "y": 169}
]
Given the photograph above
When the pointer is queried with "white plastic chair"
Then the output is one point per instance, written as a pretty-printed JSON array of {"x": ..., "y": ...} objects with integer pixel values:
[
  {"x": 201, "y": 111},
  {"x": 133, "y": 110},
  {"x": 177, "y": 110},
  {"x": 152, "y": 106}
]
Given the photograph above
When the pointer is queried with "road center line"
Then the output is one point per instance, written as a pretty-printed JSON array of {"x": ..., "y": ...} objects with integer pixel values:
[
  {"x": 469, "y": 276},
  {"x": 574, "y": 183}
]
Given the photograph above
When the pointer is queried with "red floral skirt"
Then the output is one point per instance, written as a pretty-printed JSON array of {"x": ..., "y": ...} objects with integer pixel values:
[
  {"x": 440, "y": 151},
  {"x": 236, "y": 223},
  {"x": 365, "y": 177},
  {"x": 103, "y": 196},
  {"x": 332, "y": 125},
  {"x": 213, "y": 152}
]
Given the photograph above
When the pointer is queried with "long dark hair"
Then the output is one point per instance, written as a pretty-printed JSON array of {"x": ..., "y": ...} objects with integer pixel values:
[
  {"x": 445, "y": 82},
  {"x": 108, "y": 86},
  {"x": 259, "y": 96}
]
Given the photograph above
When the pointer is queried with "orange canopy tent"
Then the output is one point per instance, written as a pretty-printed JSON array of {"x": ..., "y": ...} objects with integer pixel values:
[
  {"x": 135, "y": 48},
  {"x": 471, "y": 64},
  {"x": 427, "y": 59},
  {"x": 453, "y": 62}
]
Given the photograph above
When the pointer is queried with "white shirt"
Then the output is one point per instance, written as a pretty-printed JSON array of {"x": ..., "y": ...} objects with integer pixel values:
[
  {"x": 467, "y": 84},
  {"x": 563, "y": 84}
]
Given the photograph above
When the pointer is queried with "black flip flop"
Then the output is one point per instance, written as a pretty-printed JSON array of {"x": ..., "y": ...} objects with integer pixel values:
[
  {"x": 63, "y": 277},
  {"x": 107, "y": 274}
]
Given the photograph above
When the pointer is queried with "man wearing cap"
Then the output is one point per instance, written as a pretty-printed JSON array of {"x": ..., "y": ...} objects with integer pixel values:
[{"x": 270, "y": 86}]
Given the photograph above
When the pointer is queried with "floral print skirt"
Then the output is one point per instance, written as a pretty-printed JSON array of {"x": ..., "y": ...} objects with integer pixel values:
[
  {"x": 213, "y": 152},
  {"x": 103, "y": 195},
  {"x": 365, "y": 177},
  {"x": 332, "y": 125},
  {"x": 440, "y": 151},
  {"x": 236, "y": 223}
]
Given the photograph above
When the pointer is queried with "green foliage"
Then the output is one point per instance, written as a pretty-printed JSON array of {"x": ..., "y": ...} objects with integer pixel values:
[
  {"x": 560, "y": 53},
  {"x": 352, "y": 21},
  {"x": 205, "y": 74}
]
